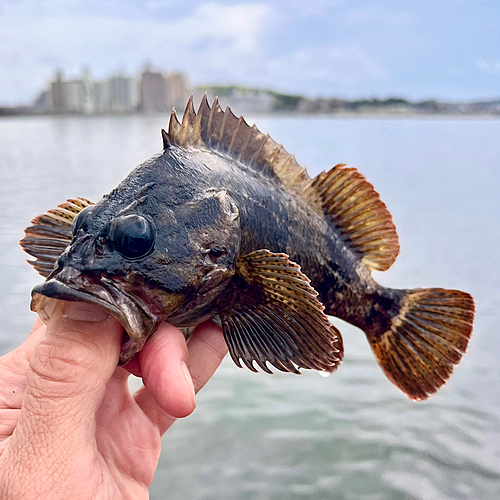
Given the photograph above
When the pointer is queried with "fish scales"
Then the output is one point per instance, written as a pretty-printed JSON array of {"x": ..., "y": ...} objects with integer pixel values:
[{"x": 224, "y": 224}]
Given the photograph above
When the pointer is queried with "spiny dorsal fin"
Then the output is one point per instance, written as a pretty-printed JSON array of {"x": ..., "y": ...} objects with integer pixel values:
[
  {"x": 343, "y": 194},
  {"x": 174, "y": 128},
  {"x": 223, "y": 131},
  {"x": 359, "y": 215},
  {"x": 188, "y": 125},
  {"x": 166, "y": 139}
]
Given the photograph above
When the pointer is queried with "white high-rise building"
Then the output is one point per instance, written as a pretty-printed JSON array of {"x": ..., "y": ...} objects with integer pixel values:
[
  {"x": 78, "y": 94},
  {"x": 73, "y": 96},
  {"x": 123, "y": 92},
  {"x": 119, "y": 94},
  {"x": 102, "y": 97},
  {"x": 87, "y": 92}
]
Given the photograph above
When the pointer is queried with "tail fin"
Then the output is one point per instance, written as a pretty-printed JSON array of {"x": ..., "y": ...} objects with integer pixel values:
[{"x": 428, "y": 336}]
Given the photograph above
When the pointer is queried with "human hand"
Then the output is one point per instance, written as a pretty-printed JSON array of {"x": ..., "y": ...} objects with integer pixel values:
[{"x": 69, "y": 426}]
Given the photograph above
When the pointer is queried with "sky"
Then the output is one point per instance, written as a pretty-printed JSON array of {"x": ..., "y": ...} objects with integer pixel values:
[{"x": 418, "y": 49}]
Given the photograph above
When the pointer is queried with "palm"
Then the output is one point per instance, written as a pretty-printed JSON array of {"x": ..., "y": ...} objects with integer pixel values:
[
  {"x": 13, "y": 368},
  {"x": 118, "y": 459},
  {"x": 128, "y": 442}
]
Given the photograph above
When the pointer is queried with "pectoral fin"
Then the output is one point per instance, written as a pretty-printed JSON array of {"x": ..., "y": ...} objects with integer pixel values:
[
  {"x": 275, "y": 317},
  {"x": 50, "y": 234}
]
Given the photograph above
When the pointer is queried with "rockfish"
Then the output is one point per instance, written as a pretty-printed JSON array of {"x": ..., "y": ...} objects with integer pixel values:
[{"x": 224, "y": 224}]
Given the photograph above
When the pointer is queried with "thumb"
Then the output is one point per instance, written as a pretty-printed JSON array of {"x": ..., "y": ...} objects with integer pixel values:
[{"x": 69, "y": 370}]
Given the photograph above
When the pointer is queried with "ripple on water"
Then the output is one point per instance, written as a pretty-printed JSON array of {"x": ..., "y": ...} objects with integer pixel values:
[{"x": 352, "y": 435}]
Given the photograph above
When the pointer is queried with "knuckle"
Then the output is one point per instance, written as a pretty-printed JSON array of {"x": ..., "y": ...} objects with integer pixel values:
[{"x": 61, "y": 360}]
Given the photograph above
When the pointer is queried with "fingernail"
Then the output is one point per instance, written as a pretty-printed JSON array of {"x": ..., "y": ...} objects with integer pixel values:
[
  {"x": 82, "y": 311},
  {"x": 189, "y": 380}
]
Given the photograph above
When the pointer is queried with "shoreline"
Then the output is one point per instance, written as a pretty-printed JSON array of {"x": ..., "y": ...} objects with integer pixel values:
[{"x": 387, "y": 115}]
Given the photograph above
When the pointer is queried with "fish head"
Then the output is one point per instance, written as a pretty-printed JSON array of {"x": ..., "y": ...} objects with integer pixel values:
[{"x": 143, "y": 261}]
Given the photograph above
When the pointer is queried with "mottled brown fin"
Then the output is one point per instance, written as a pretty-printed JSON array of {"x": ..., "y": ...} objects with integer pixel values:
[
  {"x": 426, "y": 339},
  {"x": 359, "y": 215},
  {"x": 276, "y": 318},
  {"x": 50, "y": 233},
  {"x": 222, "y": 131}
]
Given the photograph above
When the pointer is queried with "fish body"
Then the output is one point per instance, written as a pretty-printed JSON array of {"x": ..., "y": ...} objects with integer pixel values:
[{"x": 224, "y": 224}]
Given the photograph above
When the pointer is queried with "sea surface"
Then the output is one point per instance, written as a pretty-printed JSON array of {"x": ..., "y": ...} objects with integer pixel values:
[{"x": 352, "y": 435}]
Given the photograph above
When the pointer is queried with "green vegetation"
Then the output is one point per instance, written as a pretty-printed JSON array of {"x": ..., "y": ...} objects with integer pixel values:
[
  {"x": 282, "y": 102},
  {"x": 230, "y": 90},
  {"x": 285, "y": 102}
]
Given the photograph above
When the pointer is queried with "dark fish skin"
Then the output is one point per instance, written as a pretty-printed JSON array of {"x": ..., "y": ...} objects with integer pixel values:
[
  {"x": 215, "y": 227},
  {"x": 270, "y": 217}
]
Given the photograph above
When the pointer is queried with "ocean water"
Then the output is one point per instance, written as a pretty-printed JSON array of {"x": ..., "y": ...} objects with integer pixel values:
[{"x": 352, "y": 435}]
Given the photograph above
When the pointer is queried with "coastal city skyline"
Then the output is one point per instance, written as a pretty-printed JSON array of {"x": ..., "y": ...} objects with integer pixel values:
[
  {"x": 155, "y": 91},
  {"x": 149, "y": 91},
  {"x": 352, "y": 50}
]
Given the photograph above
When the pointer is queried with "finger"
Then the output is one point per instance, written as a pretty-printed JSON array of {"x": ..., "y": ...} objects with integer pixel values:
[
  {"x": 165, "y": 374},
  {"x": 206, "y": 349},
  {"x": 153, "y": 410},
  {"x": 69, "y": 370}
]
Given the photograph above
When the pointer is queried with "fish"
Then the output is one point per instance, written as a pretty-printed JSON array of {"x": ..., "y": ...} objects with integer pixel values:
[{"x": 224, "y": 224}]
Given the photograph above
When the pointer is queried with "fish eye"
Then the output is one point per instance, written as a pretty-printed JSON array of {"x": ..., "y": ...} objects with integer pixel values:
[
  {"x": 216, "y": 252},
  {"x": 81, "y": 221},
  {"x": 132, "y": 236}
]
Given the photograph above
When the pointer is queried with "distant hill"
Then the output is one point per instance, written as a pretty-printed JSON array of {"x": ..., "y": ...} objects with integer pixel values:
[{"x": 255, "y": 100}]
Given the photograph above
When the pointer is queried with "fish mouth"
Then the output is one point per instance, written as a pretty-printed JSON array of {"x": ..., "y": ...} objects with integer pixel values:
[{"x": 136, "y": 316}]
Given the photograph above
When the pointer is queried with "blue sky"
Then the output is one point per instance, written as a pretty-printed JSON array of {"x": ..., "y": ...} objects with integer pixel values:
[{"x": 447, "y": 49}]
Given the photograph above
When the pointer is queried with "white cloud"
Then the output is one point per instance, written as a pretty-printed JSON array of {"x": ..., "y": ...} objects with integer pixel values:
[
  {"x": 315, "y": 47},
  {"x": 339, "y": 68},
  {"x": 209, "y": 39},
  {"x": 488, "y": 67}
]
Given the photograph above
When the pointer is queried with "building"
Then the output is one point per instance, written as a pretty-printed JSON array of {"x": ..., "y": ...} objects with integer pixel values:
[
  {"x": 57, "y": 93},
  {"x": 43, "y": 103},
  {"x": 102, "y": 97},
  {"x": 86, "y": 93},
  {"x": 72, "y": 96},
  {"x": 241, "y": 100},
  {"x": 152, "y": 92},
  {"x": 123, "y": 94},
  {"x": 251, "y": 101},
  {"x": 177, "y": 91},
  {"x": 118, "y": 94}
]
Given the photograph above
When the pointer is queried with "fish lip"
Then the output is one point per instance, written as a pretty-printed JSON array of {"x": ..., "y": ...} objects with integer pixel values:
[
  {"x": 138, "y": 323},
  {"x": 55, "y": 289}
]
